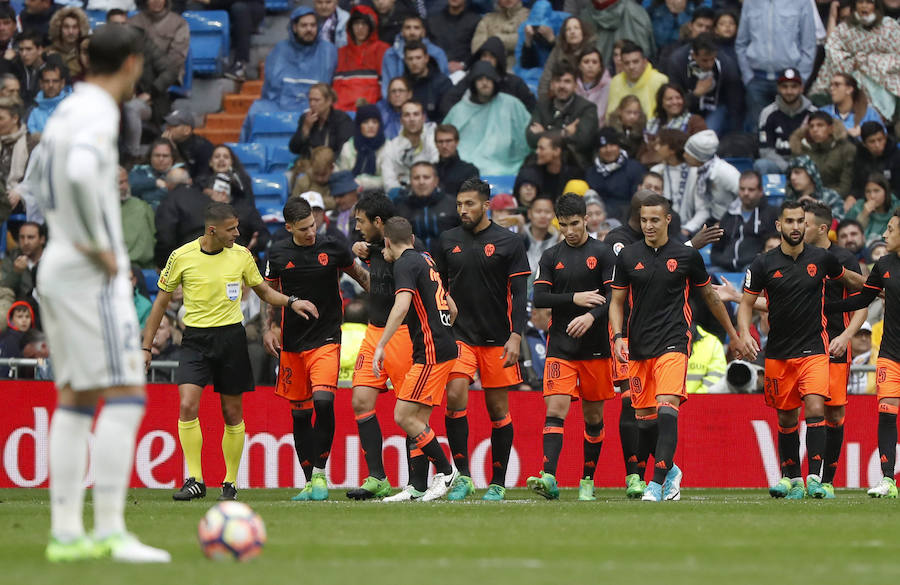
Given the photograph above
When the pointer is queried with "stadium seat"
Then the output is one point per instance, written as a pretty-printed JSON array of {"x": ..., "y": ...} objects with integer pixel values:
[
  {"x": 735, "y": 278},
  {"x": 184, "y": 90},
  {"x": 741, "y": 163},
  {"x": 270, "y": 191},
  {"x": 277, "y": 5},
  {"x": 775, "y": 186},
  {"x": 280, "y": 159},
  {"x": 500, "y": 183},
  {"x": 252, "y": 156},
  {"x": 150, "y": 277},
  {"x": 95, "y": 17},
  {"x": 210, "y": 42},
  {"x": 273, "y": 128}
]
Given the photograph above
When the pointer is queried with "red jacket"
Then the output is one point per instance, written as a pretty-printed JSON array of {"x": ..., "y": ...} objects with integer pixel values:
[{"x": 358, "y": 71}]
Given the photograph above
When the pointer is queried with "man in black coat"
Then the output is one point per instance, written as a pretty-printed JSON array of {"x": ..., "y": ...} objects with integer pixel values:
[
  {"x": 452, "y": 29},
  {"x": 451, "y": 169},
  {"x": 195, "y": 150},
  {"x": 429, "y": 85},
  {"x": 428, "y": 209}
]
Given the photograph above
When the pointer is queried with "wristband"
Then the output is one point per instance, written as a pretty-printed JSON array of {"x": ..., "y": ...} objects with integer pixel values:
[
  {"x": 617, "y": 336},
  {"x": 291, "y": 300},
  {"x": 147, "y": 349}
]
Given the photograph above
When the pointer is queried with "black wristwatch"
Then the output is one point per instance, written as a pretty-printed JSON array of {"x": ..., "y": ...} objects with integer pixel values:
[
  {"x": 617, "y": 336},
  {"x": 291, "y": 300}
]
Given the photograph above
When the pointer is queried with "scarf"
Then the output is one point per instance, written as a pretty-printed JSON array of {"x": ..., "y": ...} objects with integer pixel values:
[
  {"x": 367, "y": 148},
  {"x": 329, "y": 27},
  {"x": 676, "y": 123},
  {"x": 606, "y": 169},
  {"x": 703, "y": 179}
]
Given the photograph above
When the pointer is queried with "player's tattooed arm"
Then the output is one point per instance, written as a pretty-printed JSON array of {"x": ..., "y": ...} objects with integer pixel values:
[{"x": 359, "y": 274}]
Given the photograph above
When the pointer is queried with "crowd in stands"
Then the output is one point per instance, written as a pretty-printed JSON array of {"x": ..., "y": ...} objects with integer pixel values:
[{"x": 724, "y": 107}]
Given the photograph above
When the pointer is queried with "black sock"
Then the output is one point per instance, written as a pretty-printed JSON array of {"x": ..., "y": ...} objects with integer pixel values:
[
  {"x": 593, "y": 442},
  {"x": 303, "y": 434},
  {"x": 501, "y": 445},
  {"x": 418, "y": 466},
  {"x": 648, "y": 434},
  {"x": 628, "y": 434},
  {"x": 815, "y": 444},
  {"x": 834, "y": 441},
  {"x": 427, "y": 441},
  {"x": 458, "y": 439},
  {"x": 887, "y": 442},
  {"x": 324, "y": 430},
  {"x": 667, "y": 422},
  {"x": 553, "y": 440},
  {"x": 370, "y": 440},
  {"x": 789, "y": 452}
]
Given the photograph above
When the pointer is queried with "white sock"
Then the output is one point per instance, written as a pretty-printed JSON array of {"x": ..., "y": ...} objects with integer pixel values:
[
  {"x": 69, "y": 432},
  {"x": 117, "y": 427},
  {"x": 318, "y": 470}
]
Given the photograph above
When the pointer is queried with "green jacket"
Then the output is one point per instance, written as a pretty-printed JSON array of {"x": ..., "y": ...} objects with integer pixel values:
[
  {"x": 877, "y": 221},
  {"x": 139, "y": 229}
]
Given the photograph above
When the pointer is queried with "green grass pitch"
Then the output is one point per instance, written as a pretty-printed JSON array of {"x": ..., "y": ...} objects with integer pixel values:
[{"x": 711, "y": 536}]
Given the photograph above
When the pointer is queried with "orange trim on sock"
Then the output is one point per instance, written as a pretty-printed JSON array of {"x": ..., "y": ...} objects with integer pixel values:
[
  {"x": 456, "y": 413},
  {"x": 416, "y": 452},
  {"x": 645, "y": 416},
  {"x": 835, "y": 425},
  {"x": 666, "y": 405},
  {"x": 557, "y": 430},
  {"x": 888, "y": 408},
  {"x": 815, "y": 425},
  {"x": 424, "y": 437},
  {"x": 360, "y": 417},
  {"x": 788, "y": 430},
  {"x": 499, "y": 424},
  {"x": 598, "y": 439}
]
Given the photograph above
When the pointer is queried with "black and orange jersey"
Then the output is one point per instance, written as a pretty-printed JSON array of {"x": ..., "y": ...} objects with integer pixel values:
[
  {"x": 563, "y": 271},
  {"x": 658, "y": 283},
  {"x": 313, "y": 274},
  {"x": 429, "y": 313},
  {"x": 835, "y": 291},
  {"x": 618, "y": 238},
  {"x": 486, "y": 274},
  {"x": 381, "y": 283},
  {"x": 795, "y": 290}
]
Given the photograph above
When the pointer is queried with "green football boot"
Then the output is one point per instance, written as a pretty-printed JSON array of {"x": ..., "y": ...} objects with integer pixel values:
[
  {"x": 814, "y": 487},
  {"x": 495, "y": 493},
  {"x": 319, "y": 487},
  {"x": 371, "y": 488},
  {"x": 780, "y": 489},
  {"x": 634, "y": 486},
  {"x": 82, "y": 549},
  {"x": 797, "y": 491},
  {"x": 829, "y": 491},
  {"x": 305, "y": 494},
  {"x": 886, "y": 489},
  {"x": 586, "y": 490},
  {"x": 544, "y": 485},
  {"x": 461, "y": 489}
]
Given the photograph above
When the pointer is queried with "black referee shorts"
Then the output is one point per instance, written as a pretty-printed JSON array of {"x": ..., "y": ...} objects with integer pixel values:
[{"x": 216, "y": 355}]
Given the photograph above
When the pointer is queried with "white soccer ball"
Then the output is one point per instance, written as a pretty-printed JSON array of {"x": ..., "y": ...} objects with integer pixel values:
[{"x": 231, "y": 530}]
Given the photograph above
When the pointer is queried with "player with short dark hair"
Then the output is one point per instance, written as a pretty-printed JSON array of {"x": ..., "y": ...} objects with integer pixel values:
[
  {"x": 420, "y": 299},
  {"x": 485, "y": 269},
  {"x": 573, "y": 280},
  {"x": 309, "y": 350},
  {"x": 656, "y": 275},
  {"x": 793, "y": 276}
]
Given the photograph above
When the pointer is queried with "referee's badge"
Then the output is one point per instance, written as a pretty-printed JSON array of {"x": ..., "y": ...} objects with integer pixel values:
[{"x": 233, "y": 290}]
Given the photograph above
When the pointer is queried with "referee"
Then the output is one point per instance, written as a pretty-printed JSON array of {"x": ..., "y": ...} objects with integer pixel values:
[{"x": 211, "y": 271}]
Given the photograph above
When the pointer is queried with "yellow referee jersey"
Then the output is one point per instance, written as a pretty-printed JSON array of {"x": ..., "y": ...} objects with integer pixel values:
[{"x": 211, "y": 282}]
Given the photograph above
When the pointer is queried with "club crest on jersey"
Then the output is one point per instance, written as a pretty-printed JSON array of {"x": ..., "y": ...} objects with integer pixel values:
[
  {"x": 671, "y": 264},
  {"x": 489, "y": 250},
  {"x": 811, "y": 269},
  {"x": 323, "y": 259},
  {"x": 591, "y": 262}
]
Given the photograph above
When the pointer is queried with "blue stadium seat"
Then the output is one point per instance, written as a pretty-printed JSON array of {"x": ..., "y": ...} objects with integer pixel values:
[
  {"x": 252, "y": 156},
  {"x": 500, "y": 183},
  {"x": 210, "y": 42},
  {"x": 741, "y": 163},
  {"x": 270, "y": 191},
  {"x": 277, "y": 5},
  {"x": 184, "y": 90},
  {"x": 95, "y": 17},
  {"x": 775, "y": 186},
  {"x": 150, "y": 277},
  {"x": 280, "y": 159},
  {"x": 735, "y": 278},
  {"x": 273, "y": 128}
]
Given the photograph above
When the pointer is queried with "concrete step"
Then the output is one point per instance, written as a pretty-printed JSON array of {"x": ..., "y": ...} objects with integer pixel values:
[
  {"x": 238, "y": 103},
  {"x": 206, "y": 95}
]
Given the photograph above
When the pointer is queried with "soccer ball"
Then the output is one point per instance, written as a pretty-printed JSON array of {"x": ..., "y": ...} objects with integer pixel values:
[{"x": 231, "y": 530}]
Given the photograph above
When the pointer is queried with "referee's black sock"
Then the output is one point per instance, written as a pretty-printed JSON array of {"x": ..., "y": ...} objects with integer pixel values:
[
  {"x": 667, "y": 423},
  {"x": 501, "y": 446},
  {"x": 370, "y": 439},
  {"x": 648, "y": 434},
  {"x": 303, "y": 435},
  {"x": 324, "y": 429},
  {"x": 628, "y": 434},
  {"x": 887, "y": 439},
  {"x": 553, "y": 442},
  {"x": 457, "y": 424},
  {"x": 418, "y": 466},
  {"x": 815, "y": 444}
]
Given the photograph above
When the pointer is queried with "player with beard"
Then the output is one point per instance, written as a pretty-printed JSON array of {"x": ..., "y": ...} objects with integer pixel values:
[
  {"x": 485, "y": 270},
  {"x": 793, "y": 276}
]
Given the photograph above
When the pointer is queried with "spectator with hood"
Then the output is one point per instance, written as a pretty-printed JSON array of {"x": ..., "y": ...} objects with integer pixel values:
[
  {"x": 19, "y": 319},
  {"x": 537, "y": 39},
  {"x": 504, "y": 23},
  {"x": 492, "y": 52},
  {"x": 67, "y": 27},
  {"x": 363, "y": 154},
  {"x": 805, "y": 182},
  {"x": 358, "y": 72},
  {"x": 828, "y": 146},
  {"x": 876, "y": 153},
  {"x": 393, "y": 63}
]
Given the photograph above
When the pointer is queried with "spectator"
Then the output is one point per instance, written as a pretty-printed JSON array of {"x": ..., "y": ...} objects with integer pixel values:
[
  {"x": 598, "y": 222},
  {"x": 53, "y": 91},
  {"x": 577, "y": 36},
  {"x": 453, "y": 29},
  {"x": 779, "y": 120},
  {"x": 317, "y": 173},
  {"x": 324, "y": 226},
  {"x": 614, "y": 21},
  {"x": 574, "y": 116},
  {"x": 725, "y": 28},
  {"x": 828, "y": 146},
  {"x": 629, "y": 121},
  {"x": 148, "y": 182},
  {"x": 27, "y": 64},
  {"x": 415, "y": 143},
  {"x": 849, "y": 104},
  {"x": 671, "y": 113},
  {"x": 593, "y": 81},
  {"x": 138, "y": 225},
  {"x": 167, "y": 29},
  {"x": 358, "y": 72},
  {"x": 428, "y": 209},
  {"x": 652, "y": 181},
  {"x": 504, "y": 209},
  {"x": 772, "y": 37},
  {"x": 7, "y": 28},
  {"x": 527, "y": 185},
  {"x": 179, "y": 218},
  {"x": 346, "y": 193},
  {"x": 19, "y": 319},
  {"x": 669, "y": 17},
  {"x": 193, "y": 149},
  {"x": 487, "y": 120},
  {"x": 707, "y": 364},
  {"x": 429, "y": 85},
  {"x": 712, "y": 81},
  {"x": 866, "y": 48},
  {"x": 747, "y": 223},
  {"x": 399, "y": 92},
  {"x": 363, "y": 154},
  {"x": 164, "y": 347},
  {"x": 539, "y": 234},
  {"x": 679, "y": 179},
  {"x": 805, "y": 182},
  {"x": 613, "y": 176},
  {"x": 142, "y": 304},
  {"x": 13, "y": 146},
  {"x": 861, "y": 352},
  {"x": 36, "y": 16},
  {"x": 638, "y": 77},
  {"x": 875, "y": 210},
  {"x": 292, "y": 68},
  {"x": 321, "y": 124},
  {"x": 393, "y": 64},
  {"x": 223, "y": 164},
  {"x": 876, "y": 153},
  {"x": 536, "y": 341},
  {"x": 332, "y": 20},
  {"x": 18, "y": 268},
  {"x": 504, "y": 23},
  {"x": 850, "y": 235},
  {"x": 549, "y": 166},
  {"x": 391, "y": 14},
  {"x": 537, "y": 39},
  {"x": 10, "y": 86},
  {"x": 492, "y": 52},
  {"x": 717, "y": 180},
  {"x": 451, "y": 169},
  {"x": 67, "y": 27}
]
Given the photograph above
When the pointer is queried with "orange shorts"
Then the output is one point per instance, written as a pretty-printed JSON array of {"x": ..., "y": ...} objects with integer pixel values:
[
  {"x": 300, "y": 372},
  {"x": 425, "y": 383},
  {"x": 887, "y": 378},
  {"x": 665, "y": 375},
  {"x": 487, "y": 361},
  {"x": 788, "y": 381},
  {"x": 838, "y": 376},
  {"x": 397, "y": 359},
  {"x": 587, "y": 379}
]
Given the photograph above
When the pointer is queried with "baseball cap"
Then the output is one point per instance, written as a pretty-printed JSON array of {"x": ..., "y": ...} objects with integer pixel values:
[
  {"x": 503, "y": 201},
  {"x": 314, "y": 199},
  {"x": 790, "y": 74},
  {"x": 180, "y": 117}
]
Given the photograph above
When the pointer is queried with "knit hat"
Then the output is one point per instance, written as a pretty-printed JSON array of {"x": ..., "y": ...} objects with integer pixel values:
[
  {"x": 702, "y": 145},
  {"x": 367, "y": 112},
  {"x": 608, "y": 135}
]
